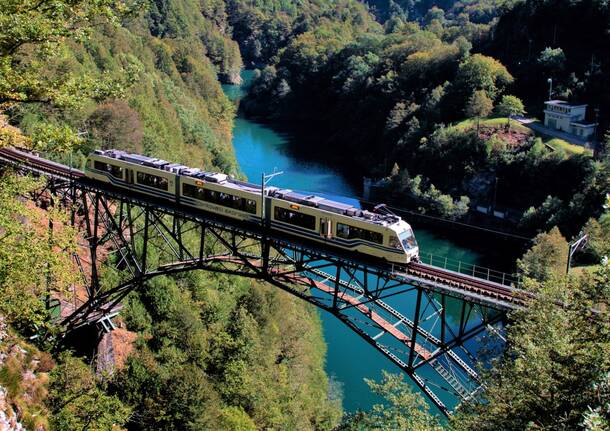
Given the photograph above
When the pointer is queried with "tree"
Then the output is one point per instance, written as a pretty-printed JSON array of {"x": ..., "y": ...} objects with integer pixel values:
[
  {"x": 116, "y": 125},
  {"x": 33, "y": 264},
  {"x": 548, "y": 256},
  {"x": 510, "y": 106},
  {"x": 403, "y": 410},
  {"x": 78, "y": 402},
  {"x": 479, "y": 72},
  {"x": 599, "y": 236},
  {"x": 479, "y": 105},
  {"x": 553, "y": 60},
  {"x": 554, "y": 373},
  {"x": 39, "y": 28}
]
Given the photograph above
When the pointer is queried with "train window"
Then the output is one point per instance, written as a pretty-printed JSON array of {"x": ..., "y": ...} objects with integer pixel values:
[
  {"x": 152, "y": 181},
  {"x": 292, "y": 217},
  {"x": 352, "y": 232},
  {"x": 250, "y": 206},
  {"x": 115, "y": 171},
  {"x": 408, "y": 239},
  {"x": 192, "y": 191},
  {"x": 220, "y": 198},
  {"x": 395, "y": 243}
]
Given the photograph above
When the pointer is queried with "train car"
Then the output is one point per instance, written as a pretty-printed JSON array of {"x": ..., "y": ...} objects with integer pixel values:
[
  {"x": 143, "y": 174},
  {"x": 380, "y": 236},
  {"x": 220, "y": 194},
  {"x": 383, "y": 236}
]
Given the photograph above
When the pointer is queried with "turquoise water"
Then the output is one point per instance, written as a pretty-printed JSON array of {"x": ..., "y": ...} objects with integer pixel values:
[{"x": 349, "y": 358}]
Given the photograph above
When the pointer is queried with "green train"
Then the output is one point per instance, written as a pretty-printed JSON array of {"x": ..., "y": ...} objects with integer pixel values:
[{"x": 337, "y": 225}]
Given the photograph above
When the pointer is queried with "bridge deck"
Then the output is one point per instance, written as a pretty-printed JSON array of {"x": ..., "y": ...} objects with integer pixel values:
[{"x": 479, "y": 290}]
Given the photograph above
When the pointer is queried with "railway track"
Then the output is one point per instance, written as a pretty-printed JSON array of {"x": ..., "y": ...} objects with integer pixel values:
[
  {"x": 481, "y": 287},
  {"x": 468, "y": 283},
  {"x": 40, "y": 163}
]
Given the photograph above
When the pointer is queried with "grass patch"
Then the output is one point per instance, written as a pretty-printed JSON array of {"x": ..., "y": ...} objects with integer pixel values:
[
  {"x": 580, "y": 270},
  {"x": 10, "y": 377},
  {"x": 501, "y": 122},
  {"x": 570, "y": 149}
]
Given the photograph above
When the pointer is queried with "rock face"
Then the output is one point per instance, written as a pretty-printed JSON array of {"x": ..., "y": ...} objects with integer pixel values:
[
  {"x": 8, "y": 417},
  {"x": 232, "y": 77},
  {"x": 113, "y": 350}
]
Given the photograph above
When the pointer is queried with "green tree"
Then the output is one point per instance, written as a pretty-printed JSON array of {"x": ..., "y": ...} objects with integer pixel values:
[
  {"x": 45, "y": 25},
  {"x": 34, "y": 263},
  {"x": 599, "y": 236},
  {"x": 554, "y": 373},
  {"x": 479, "y": 105},
  {"x": 553, "y": 60},
  {"x": 78, "y": 402},
  {"x": 548, "y": 256},
  {"x": 479, "y": 72},
  {"x": 509, "y": 107},
  {"x": 403, "y": 410}
]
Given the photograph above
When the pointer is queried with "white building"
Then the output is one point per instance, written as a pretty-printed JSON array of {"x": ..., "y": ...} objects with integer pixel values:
[{"x": 560, "y": 115}]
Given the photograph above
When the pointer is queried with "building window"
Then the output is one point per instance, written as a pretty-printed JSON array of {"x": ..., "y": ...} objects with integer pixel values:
[
  {"x": 295, "y": 218},
  {"x": 351, "y": 232},
  {"x": 152, "y": 181},
  {"x": 115, "y": 171}
]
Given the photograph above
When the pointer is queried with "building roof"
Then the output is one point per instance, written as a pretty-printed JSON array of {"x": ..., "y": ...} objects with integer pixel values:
[
  {"x": 582, "y": 124},
  {"x": 563, "y": 103}
]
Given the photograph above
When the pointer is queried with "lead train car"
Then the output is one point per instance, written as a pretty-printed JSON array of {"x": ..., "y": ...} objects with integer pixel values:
[{"x": 341, "y": 226}]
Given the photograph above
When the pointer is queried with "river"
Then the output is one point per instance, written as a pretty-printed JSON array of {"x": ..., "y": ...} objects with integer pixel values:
[{"x": 349, "y": 358}]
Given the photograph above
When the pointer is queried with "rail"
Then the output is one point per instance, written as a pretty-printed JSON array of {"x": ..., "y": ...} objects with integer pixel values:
[
  {"x": 466, "y": 277},
  {"x": 470, "y": 269}
]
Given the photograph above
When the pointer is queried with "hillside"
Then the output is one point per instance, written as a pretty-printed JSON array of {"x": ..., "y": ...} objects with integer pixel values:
[
  {"x": 210, "y": 351},
  {"x": 388, "y": 97}
]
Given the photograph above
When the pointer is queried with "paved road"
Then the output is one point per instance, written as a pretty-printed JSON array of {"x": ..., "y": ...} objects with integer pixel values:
[{"x": 538, "y": 127}]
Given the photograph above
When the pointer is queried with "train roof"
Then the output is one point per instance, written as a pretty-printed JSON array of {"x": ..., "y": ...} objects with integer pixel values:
[{"x": 227, "y": 181}]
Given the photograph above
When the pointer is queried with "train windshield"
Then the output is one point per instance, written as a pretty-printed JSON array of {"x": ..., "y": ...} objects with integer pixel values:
[{"x": 408, "y": 239}]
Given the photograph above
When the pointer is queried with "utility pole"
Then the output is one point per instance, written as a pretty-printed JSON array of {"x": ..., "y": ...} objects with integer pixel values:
[
  {"x": 264, "y": 180},
  {"x": 550, "y": 81},
  {"x": 575, "y": 246},
  {"x": 595, "y": 137},
  {"x": 495, "y": 193}
]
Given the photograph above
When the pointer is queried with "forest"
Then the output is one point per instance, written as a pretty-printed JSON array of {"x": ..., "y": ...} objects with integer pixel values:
[
  {"x": 408, "y": 89},
  {"x": 421, "y": 94}
]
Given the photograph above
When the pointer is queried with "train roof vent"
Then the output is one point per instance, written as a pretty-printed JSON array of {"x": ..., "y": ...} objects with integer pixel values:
[
  {"x": 175, "y": 167},
  {"x": 336, "y": 207},
  {"x": 271, "y": 191},
  {"x": 215, "y": 177},
  {"x": 137, "y": 158},
  {"x": 156, "y": 163},
  {"x": 314, "y": 200},
  {"x": 192, "y": 172}
]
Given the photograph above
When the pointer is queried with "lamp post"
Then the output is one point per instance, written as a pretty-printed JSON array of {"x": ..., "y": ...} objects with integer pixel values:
[{"x": 550, "y": 81}]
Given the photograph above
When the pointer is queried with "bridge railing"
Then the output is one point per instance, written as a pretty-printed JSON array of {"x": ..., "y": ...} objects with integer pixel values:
[{"x": 471, "y": 269}]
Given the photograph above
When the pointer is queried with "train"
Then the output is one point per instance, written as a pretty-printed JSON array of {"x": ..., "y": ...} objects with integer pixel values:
[{"x": 379, "y": 235}]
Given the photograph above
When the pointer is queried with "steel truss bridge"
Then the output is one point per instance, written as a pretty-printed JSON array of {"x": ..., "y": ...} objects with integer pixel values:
[{"x": 421, "y": 317}]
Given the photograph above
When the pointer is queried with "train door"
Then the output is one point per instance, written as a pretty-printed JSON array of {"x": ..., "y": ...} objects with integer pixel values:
[
  {"x": 325, "y": 227},
  {"x": 130, "y": 176}
]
